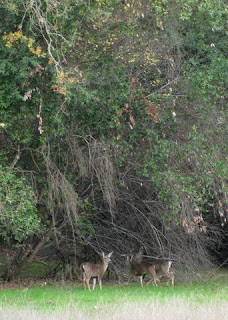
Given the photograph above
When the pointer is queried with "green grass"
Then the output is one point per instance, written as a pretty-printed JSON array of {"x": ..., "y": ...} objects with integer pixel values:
[
  {"x": 59, "y": 297},
  {"x": 192, "y": 301}
]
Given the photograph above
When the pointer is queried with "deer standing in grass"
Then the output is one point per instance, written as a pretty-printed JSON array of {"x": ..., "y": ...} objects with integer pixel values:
[
  {"x": 162, "y": 265},
  {"x": 141, "y": 269},
  {"x": 91, "y": 270}
]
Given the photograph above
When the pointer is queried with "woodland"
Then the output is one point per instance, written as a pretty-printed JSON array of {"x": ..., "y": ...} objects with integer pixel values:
[{"x": 113, "y": 131}]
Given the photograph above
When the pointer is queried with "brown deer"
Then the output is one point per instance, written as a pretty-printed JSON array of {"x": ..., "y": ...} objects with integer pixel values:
[
  {"x": 162, "y": 265},
  {"x": 141, "y": 269},
  {"x": 91, "y": 270}
]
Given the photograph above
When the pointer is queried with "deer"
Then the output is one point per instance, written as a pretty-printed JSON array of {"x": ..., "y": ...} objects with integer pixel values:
[
  {"x": 91, "y": 270},
  {"x": 160, "y": 264},
  {"x": 164, "y": 265},
  {"x": 141, "y": 269}
]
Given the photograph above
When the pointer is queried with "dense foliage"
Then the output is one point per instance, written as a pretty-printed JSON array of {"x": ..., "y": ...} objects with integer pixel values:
[
  {"x": 18, "y": 208},
  {"x": 113, "y": 113}
]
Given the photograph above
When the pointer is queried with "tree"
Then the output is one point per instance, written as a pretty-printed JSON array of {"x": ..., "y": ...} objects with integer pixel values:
[
  {"x": 118, "y": 112},
  {"x": 18, "y": 213}
]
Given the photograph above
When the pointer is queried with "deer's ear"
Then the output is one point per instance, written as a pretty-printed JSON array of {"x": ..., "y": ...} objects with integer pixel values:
[
  {"x": 110, "y": 254},
  {"x": 102, "y": 254}
]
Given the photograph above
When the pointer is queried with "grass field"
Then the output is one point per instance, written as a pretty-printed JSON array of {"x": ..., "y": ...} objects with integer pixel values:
[{"x": 55, "y": 301}]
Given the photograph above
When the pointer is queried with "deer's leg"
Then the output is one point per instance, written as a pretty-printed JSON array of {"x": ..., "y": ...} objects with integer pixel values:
[
  {"x": 153, "y": 276},
  {"x": 87, "y": 282},
  {"x": 129, "y": 278},
  {"x": 94, "y": 282},
  {"x": 150, "y": 281},
  {"x": 168, "y": 274},
  {"x": 100, "y": 283},
  {"x": 172, "y": 279},
  {"x": 141, "y": 280},
  {"x": 88, "y": 285},
  {"x": 153, "y": 279}
]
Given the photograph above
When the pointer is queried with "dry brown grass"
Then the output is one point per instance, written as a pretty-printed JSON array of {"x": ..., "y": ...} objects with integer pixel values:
[{"x": 173, "y": 309}]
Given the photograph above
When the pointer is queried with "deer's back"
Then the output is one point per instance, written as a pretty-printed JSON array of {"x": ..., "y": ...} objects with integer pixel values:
[
  {"x": 161, "y": 263},
  {"x": 141, "y": 268}
]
